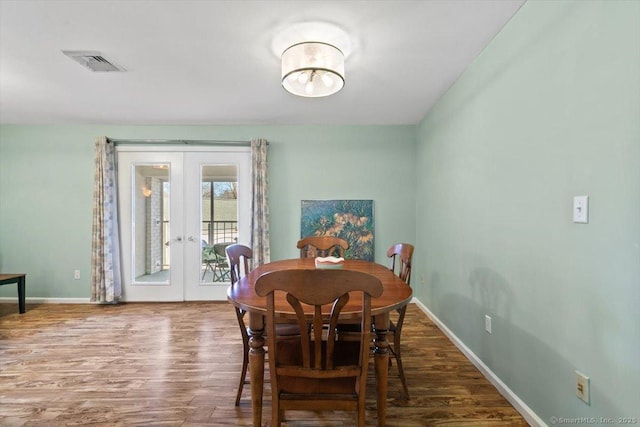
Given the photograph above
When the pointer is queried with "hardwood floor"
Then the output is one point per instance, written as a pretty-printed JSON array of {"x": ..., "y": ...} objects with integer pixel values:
[{"x": 177, "y": 364}]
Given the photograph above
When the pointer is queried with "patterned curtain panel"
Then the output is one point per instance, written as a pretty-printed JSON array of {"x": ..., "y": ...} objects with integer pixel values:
[
  {"x": 106, "y": 285},
  {"x": 259, "y": 208}
]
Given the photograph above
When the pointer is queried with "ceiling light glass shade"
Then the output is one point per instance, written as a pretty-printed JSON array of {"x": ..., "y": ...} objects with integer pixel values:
[{"x": 312, "y": 69}]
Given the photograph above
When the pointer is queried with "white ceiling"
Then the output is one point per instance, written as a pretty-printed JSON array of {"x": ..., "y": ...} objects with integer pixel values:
[{"x": 213, "y": 62}]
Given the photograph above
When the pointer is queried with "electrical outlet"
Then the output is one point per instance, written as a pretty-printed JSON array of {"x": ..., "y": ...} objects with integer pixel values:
[
  {"x": 76, "y": 274},
  {"x": 487, "y": 323},
  {"x": 582, "y": 387}
]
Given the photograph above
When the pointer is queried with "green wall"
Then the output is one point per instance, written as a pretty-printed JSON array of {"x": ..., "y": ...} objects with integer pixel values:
[
  {"x": 549, "y": 110},
  {"x": 46, "y": 189}
]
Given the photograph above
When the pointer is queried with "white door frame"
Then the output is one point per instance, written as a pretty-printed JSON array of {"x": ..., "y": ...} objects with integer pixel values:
[{"x": 185, "y": 169}]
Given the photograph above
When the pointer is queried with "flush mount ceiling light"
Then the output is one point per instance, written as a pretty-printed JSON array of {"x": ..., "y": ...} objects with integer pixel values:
[{"x": 312, "y": 69}]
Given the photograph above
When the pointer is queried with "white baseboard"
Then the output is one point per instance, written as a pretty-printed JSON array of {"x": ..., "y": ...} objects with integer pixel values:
[
  {"x": 30, "y": 300},
  {"x": 527, "y": 413}
]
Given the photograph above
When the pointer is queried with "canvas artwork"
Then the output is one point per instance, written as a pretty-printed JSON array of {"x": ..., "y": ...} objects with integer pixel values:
[{"x": 351, "y": 220}]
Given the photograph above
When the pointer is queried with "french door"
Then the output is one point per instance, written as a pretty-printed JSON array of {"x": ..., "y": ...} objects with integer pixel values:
[{"x": 178, "y": 210}]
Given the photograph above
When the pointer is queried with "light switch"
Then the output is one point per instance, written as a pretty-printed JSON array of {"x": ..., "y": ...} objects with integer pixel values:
[{"x": 581, "y": 209}]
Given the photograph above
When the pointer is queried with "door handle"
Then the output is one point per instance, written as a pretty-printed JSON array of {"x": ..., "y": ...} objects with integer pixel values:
[
  {"x": 191, "y": 239},
  {"x": 179, "y": 239}
]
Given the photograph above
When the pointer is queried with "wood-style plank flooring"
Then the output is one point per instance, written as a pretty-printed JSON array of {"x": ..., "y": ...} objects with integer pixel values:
[{"x": 177, "y": 364}]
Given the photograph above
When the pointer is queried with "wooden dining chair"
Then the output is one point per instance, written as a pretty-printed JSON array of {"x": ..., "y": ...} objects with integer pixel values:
[
  {"x": 322, "y": 246},
  {"x": 315, "y": 371},
  {"x": 401, "y": 255},
  {"x": 239, "y": 256}
]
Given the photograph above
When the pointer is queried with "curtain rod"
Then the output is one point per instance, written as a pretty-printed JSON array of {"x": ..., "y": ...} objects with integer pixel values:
[{"x": 179, "y": 142}]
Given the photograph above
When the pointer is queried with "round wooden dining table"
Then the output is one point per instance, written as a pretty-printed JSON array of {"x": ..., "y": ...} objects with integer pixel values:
[{"x": 396, "y": 293}]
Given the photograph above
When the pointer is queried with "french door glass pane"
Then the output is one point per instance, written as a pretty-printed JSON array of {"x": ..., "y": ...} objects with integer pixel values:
[
  {"x": 150, "y": 203},
  {"x": 219, "y": 219}
]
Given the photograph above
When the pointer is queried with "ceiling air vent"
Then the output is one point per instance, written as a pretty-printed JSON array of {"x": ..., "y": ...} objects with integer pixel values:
[{"x": 92, "y": 60}]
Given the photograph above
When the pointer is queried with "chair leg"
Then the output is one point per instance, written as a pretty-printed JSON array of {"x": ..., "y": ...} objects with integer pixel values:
[
  {"x": 207, "y": 267},
  {"x": 243, "y": 374},
  {"x": 280, "y": 418},
  {"x": 245, "y": 350},
  {"x": 360, "y": 415},
  {"x": 396, "y": 351},
  {"x": 398, "y": 356}
]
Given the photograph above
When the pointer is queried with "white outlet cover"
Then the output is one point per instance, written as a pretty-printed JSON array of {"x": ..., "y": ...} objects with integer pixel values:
[{"x": 582, "y": 387}]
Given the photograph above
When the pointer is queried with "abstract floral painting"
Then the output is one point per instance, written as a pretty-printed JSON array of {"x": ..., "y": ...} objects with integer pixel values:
[{"x": 351, "y": 220}]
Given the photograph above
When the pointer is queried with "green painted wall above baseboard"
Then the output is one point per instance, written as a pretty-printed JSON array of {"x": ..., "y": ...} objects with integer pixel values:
[
  {"x": 46, "y": 189},
  {"x": 550, "y": 110}
]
